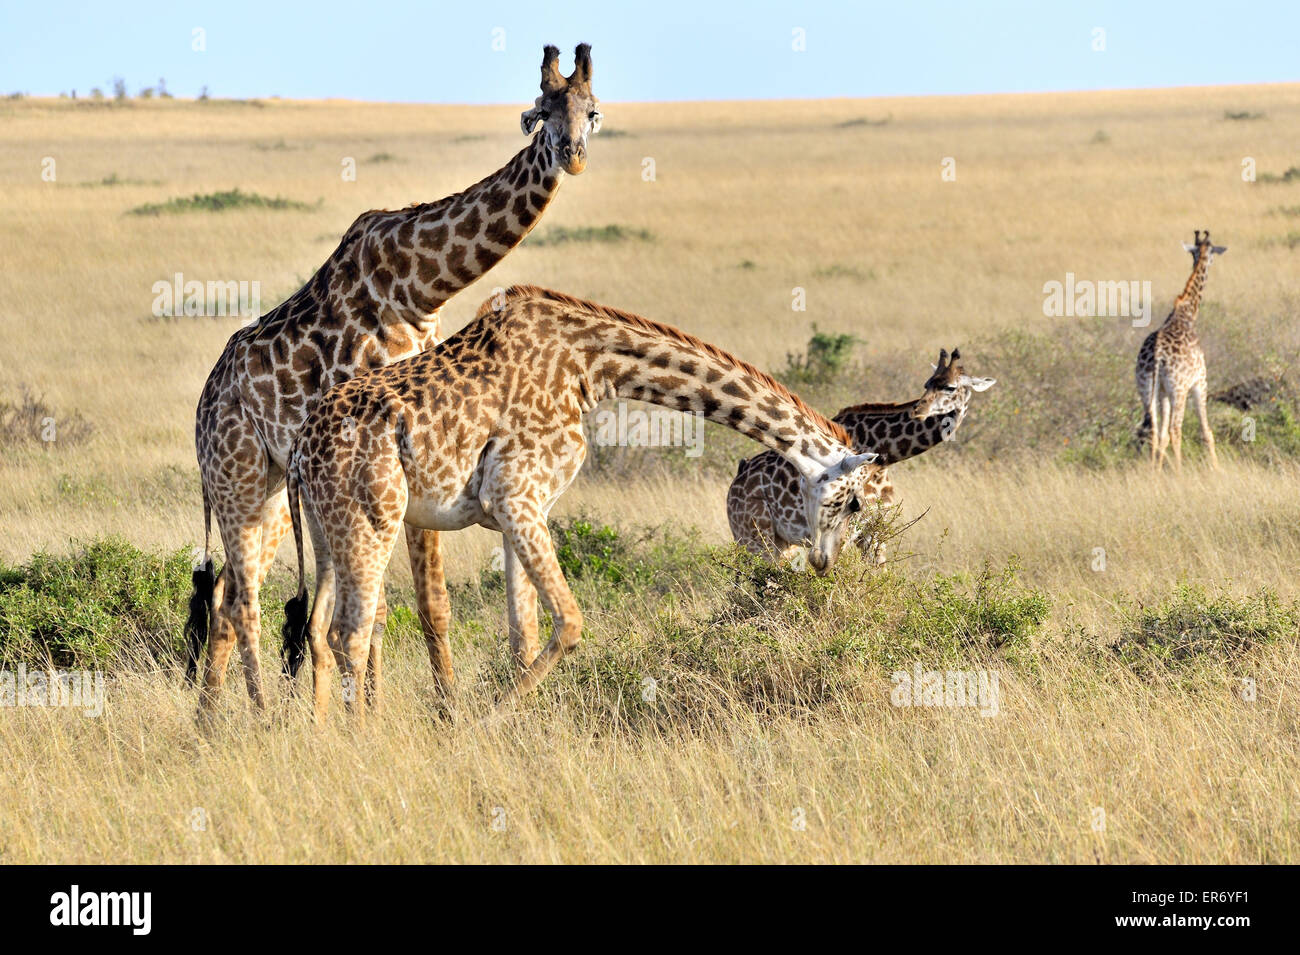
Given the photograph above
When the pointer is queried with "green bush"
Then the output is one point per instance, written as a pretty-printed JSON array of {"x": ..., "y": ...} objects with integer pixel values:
[
  {"x": 220, "y": 202},
  {"x": 1194, "y": 627},
  {"x": 85, "y": 609}
]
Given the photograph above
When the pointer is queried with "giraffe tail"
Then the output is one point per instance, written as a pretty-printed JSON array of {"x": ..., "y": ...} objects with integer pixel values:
[
  {"x": 293, "y": 634},
  {"x": 205, "y": 581}
]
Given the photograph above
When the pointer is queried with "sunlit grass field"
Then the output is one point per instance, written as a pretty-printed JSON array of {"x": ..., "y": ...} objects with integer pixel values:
[{"x": 843, "y": 199}]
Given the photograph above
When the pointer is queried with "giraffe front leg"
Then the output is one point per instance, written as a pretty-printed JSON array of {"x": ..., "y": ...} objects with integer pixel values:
[
  {"x": 433, "y": 604},
  {"x": 523, "y": 524}
]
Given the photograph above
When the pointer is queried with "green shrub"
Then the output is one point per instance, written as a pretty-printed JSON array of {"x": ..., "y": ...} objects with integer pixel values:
[
  {"x": 85, "y": 609},
  {"x": 220, "y": 202},
  {"x": 559, "y": 235},
  {"x": 1193, "y": 627}
]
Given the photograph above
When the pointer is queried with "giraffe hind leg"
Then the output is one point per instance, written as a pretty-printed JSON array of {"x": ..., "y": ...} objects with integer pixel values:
[
  {"x": 433, "y": 604},
  {"x": 524, "y": 525},
  {"x": 1203, "y": 415}
]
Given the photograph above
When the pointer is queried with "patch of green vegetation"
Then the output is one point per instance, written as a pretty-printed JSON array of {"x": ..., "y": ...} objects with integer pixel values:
[
  {"x": 1270, "y": 431},
  {"x": 1292, "y": 174},
  {"x": 747, "y": 265},
  {"x": 558, "y": 235},
  {"x": 113, "y": 179},
  {"x": 607, "y": 133},
  {"x": 382, "y": 157},
  {"x": 1238, "y": 115},
  {"x": 838, "y": 271},
  {"x": 221, "y": 202},
  {"x": 279, "y": 146},
  {"x": 1194, "y": 627},
  {"x": 1289, "y": 211},
  {"x": 825, "y": 358},
  {"x": 864, "y": 121},
  {"x": 1100, "y": 137},
  {"x": 84, "y": 610}
]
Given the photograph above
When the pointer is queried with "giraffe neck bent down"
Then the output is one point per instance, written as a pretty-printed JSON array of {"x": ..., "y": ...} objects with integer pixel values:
[{"x": 648, "y": 362}]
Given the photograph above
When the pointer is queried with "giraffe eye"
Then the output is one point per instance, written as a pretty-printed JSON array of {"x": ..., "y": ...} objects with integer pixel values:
[
  {"x": 545, "y": 115},
  {"x": 854, "y": 505}
]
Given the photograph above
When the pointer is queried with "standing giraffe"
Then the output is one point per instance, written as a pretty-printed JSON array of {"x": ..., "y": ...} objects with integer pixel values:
[
  {"x": 763, "y": 506},
  {"x": 487, "y": 429},
  {"x": 1171, "y": 363},
  {"x": 375, "y": 301}
]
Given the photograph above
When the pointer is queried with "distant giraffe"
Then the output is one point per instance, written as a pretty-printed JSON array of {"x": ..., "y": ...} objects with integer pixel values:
[
  {"x": 375, "y": 301},
  {"x": 487, "y": 429},
  {"x": 1171, "y": 363},
  {"x": 763, "y": 500}
]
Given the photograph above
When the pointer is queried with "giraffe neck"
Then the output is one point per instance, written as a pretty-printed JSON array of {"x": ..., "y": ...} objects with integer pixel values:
[
  {"x": 626, "y": 356},
  {"x": 896, "y": 434},
  {"x": 429, "y": 252},
  {"x": 1188, "y": 303}
]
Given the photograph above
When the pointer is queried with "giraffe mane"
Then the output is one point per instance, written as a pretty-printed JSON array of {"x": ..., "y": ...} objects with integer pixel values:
[
  {"x": 877, "y": 407},
  {"x": 522, "y": 292}
]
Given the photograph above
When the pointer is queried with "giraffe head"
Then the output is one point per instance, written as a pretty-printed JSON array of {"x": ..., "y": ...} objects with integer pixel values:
[
  {"x": 1202, "y": 247},
  {"x": 567, "y": 109},
  {"x": 831, "y": 498},
  {"x": 949, "y": 388}
]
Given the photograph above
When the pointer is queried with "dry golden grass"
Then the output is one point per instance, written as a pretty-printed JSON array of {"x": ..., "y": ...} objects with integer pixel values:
[{"x": 858, "y": 216}]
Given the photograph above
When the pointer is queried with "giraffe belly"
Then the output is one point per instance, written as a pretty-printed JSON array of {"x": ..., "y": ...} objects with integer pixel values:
[{"x": 436, "y": 511}]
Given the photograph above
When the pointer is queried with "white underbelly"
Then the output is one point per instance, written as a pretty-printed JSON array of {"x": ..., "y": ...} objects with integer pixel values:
[{"x": 441, "y": 513}]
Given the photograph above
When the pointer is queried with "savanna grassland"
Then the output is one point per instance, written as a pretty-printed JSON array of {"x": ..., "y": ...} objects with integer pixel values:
[{"x": 1143, "y": 629}]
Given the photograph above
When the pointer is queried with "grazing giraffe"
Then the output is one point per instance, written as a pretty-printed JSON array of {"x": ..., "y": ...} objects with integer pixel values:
[
  {"x": 1171, "y": 363},
  {"x": 487, "y": 429},
  {"x": 375, "y": 301},
  {"x": 763, "y": 506}
]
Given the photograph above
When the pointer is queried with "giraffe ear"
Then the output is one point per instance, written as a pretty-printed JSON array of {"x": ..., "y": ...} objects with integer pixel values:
[
  {"x": 529, "y": 118},
  {"x": 849, "y": 464},
  {"x": 1218, "y": 249},
  {"x": 979, "y": 384},
  {"x": 1188, "y": 247}
]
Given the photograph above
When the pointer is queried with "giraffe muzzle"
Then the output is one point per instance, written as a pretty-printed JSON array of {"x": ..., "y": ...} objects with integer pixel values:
[{"x": 573, "y": 156}]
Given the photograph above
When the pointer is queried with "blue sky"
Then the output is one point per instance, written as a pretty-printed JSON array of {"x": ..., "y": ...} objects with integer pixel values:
[{"x": 658, "y": 50}]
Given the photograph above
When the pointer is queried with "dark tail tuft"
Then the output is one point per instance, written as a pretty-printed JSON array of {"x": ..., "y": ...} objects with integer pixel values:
[
  {"x": 196, "y": 624},
  {"x": 294, "y": 634}
]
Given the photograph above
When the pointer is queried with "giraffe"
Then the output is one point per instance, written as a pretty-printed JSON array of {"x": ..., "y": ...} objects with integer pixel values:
[
  {"x": 487, "y": 429},
  {"x": 763, "y": 501},
  {"x": 1171, "y": 363},
  {"x": 375, "y": 301}
]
